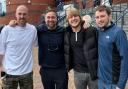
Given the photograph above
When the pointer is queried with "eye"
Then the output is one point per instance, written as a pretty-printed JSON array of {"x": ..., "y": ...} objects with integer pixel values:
[
  {"x": 48, "y": 17},
  {"x": 19, "y": 13},
  {"x": 52, "y": 17},
  {"x": 102, "y": 16},
  {"x": 97, "y": 17},
  {"x": 24, "y": 14}
]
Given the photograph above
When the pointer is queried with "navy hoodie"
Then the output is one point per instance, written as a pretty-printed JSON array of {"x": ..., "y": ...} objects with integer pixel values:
[{"x": 51, "y": 47}]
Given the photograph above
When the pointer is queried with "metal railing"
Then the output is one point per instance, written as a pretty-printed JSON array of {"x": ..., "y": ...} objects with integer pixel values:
[
  {"x": 62, "y": 14},
  {"x": 118, "y": 12}
]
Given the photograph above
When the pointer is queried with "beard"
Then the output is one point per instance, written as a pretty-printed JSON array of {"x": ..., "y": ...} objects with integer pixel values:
[
  {"x": 51, "y": 25},
  {"x": 22, "y": 22}
]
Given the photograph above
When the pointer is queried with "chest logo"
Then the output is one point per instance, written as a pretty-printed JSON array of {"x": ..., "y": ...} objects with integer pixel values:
[{"x": 107, "y": 37}]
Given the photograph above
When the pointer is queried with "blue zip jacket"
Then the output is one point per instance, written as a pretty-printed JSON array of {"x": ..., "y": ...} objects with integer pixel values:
[{"x": 107, "y": 37}]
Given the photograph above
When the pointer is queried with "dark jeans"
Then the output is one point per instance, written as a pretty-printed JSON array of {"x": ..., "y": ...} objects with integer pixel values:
[
  {"x": 56, "y": 78},
  {"x": 12, "y": 81}
]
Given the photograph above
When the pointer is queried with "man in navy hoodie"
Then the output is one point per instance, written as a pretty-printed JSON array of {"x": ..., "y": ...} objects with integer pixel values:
[
  {"x": 51, "y": 53},
  {"x": 113, "y": 51}
]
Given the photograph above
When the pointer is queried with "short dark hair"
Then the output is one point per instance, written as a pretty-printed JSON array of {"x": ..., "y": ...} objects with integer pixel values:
[
  {"x": 104, "y": 8},
  {"x": 51, "y": 10}
]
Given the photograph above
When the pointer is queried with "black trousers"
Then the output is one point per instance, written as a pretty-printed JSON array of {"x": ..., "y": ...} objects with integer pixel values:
[{"x": 56, "y": 78}]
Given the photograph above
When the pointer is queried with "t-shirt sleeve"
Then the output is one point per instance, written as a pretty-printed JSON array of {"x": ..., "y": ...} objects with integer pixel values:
[{"x": 3, "y": 37}]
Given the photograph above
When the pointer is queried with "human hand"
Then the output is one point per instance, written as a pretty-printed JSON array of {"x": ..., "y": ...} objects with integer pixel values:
[
  {"x": 0, "y": 70},
  {"x": 13, "y": 23},
  {"x": 117, "y": 88},
  {"x": 86, "y": 25},
  {"x": 1, "y": 75}
]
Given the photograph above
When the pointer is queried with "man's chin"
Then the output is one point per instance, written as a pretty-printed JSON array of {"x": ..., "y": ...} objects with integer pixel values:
[
  {"x": 74, "y": 26},
  {"x": 51, "y": 26},
  {"x": 101, "y": 26}
]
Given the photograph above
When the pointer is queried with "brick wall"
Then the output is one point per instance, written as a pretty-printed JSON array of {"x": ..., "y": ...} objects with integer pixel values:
[{"x": 36, "y": 8}]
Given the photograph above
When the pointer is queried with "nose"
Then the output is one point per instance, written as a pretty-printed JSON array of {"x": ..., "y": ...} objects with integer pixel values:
[
  {"x": 73, "y": 17},
  {"x": 99, "y": 19},
  {"x": 50, "y": 19},
  {"x": 22, "y": 16}
]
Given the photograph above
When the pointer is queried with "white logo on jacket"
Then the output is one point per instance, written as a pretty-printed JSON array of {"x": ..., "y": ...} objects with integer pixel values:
[{"x": 107, "y": 37}]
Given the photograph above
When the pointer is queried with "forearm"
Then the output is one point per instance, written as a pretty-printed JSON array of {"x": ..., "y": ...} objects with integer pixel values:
[
  {"x": 123, "y": 74},
  {"x": 1, "y": 60}
]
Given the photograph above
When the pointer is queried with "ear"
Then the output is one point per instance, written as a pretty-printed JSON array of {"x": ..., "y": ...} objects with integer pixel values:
[{"x": 110, "y": 17}]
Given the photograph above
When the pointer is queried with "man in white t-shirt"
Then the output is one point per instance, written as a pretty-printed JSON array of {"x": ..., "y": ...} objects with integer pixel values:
[{"x": 16, "y": 52}]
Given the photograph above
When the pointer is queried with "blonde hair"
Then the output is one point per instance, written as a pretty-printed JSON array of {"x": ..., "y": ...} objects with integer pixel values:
[{"x": 72, "y": 12}]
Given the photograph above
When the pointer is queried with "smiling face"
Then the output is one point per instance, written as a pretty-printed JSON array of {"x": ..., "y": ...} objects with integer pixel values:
[
  {"x": 74, "y": 21},
  {"x": 51, "y": 19},
  {"x": 73, "y": 18},
  {"x": 21, "y": 15},
  {"x": 102, "y": 18}
]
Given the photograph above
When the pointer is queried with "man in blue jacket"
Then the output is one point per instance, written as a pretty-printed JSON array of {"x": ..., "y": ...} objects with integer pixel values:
[{"x": 113, "y": 51}]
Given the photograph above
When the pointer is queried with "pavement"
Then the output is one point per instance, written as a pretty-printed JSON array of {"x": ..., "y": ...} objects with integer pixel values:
[{"x": 37, "y": 79}]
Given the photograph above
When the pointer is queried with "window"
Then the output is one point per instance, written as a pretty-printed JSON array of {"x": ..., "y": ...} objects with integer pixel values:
[{"x": 2, "y": 7}]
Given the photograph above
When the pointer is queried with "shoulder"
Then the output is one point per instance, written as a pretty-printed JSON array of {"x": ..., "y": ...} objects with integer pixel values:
[
  {"x": 7, "y": 28},
  {"x": 91, "y": 29},
  {"x": 30, "y": 26},
  {"x": 119, "y": 32},
  {"x": 116, "y": 30},
  {"x": 41, "y": 28},
  {"x": 60, "y": 29},
  {"x": 68, "y": 29}
]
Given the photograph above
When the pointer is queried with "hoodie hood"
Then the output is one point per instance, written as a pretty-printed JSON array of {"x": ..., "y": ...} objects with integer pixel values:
[{"x": 44, "y": 28}]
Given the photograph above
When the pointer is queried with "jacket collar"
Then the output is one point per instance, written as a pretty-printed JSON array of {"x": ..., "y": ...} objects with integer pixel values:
[{"x": 107, "y": 27}]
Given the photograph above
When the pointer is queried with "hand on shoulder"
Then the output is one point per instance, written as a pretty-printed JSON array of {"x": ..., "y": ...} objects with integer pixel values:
[{"x": 12, "y": 23}]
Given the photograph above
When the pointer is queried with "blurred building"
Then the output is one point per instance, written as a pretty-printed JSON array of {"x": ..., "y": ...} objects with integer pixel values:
[{"x": 37, "y": 7}]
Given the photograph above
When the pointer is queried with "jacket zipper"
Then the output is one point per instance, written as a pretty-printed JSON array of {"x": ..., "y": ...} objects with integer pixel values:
[{"x": 76, "y": 36}]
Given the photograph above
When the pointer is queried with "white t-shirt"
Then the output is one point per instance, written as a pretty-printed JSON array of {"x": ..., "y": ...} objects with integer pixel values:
[
  {"x": 16, "y": 46},
  {"x": 0, "y": 39}
]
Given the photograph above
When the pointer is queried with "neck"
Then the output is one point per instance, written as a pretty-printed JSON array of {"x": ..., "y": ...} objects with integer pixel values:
[
  {"x": 76, "y": 29},
  {"x": 108, "y": 24},
  {"x": 51, "y": 28},
  {"x": 22, "y": 25}
]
